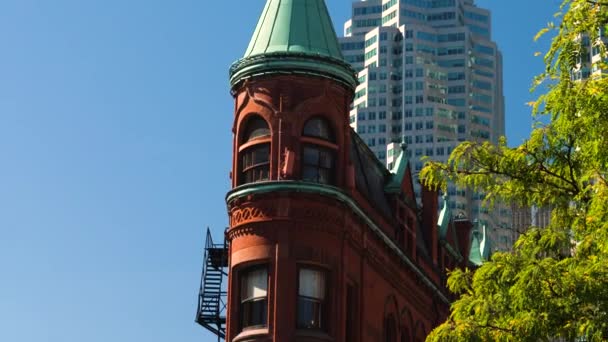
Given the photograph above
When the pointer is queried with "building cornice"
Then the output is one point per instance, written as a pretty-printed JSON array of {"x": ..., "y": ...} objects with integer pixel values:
[
  {"x": 293, "y": 63},
  {"x": 338, "y": 194}
]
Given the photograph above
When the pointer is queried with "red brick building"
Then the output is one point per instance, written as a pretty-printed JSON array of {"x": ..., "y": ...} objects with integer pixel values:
[{"x": 325, "y": 243}]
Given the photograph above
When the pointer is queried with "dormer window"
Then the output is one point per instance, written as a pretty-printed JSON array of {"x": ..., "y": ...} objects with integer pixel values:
[
  {"x": 318, "y": 152},
  {"x": 255, "y": 151}
]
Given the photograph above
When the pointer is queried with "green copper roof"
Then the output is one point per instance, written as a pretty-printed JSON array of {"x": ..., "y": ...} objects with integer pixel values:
[
  {"x": 294, "y": 36},
  {"x": 295, "y": 26},
  {"x": 443, "y": 224},
  {"x": 481, "y": 247},
  {"x": 398, "y": 172},
  {"x": 445, "y": 216}
]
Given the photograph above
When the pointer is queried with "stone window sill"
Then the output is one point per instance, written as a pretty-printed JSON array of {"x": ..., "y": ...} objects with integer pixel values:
[{"x": 246, "y": 335}]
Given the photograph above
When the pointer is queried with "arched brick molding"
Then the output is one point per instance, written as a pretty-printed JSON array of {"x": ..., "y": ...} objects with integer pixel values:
[{"x": 406, "y": 325}]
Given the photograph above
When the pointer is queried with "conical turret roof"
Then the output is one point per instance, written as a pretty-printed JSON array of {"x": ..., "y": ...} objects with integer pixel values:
[
  {"x": 295, "y": 26},
  {"x": 294, "y": 36}
]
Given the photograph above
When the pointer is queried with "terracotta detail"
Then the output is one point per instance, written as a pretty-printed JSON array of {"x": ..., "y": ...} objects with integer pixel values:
[{"x": 250, "y": 213}]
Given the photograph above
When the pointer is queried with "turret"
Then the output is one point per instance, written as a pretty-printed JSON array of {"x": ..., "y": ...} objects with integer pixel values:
[
  {"x": 292, "y": 140},
  {"x": 292, "y": 90}
]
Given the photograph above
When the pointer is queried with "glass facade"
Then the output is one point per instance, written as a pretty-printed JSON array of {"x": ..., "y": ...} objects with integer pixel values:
[{"x": 431, "y": 59}]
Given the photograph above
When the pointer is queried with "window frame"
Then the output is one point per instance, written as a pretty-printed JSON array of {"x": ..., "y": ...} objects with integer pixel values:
[
  {"x": 318, "y": 168},
  {"x": 242, "y": 302},
  {"x": 321, "y": 145},
  {"x": 323, "y": 320},
  {"x": 251, "y": 145},
  {"x": 260, "y": 166}
]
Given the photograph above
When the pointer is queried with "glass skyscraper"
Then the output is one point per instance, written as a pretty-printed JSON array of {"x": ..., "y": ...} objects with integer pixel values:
[{"x": 430, "y": 77}]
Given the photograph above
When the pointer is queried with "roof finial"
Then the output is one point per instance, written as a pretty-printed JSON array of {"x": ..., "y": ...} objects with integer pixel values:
[{"x": 403, "y": 143}]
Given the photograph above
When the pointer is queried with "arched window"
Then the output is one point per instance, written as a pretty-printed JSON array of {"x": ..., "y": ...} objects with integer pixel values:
[
  {"x": 406, "y": 325},
  {"x": 255, "y": 151},
  {"x": 318, "y": 152},
  {"x": 390, "y": 329}
]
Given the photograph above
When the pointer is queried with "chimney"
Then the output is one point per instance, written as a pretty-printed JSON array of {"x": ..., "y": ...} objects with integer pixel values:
[
  {"x": 463, "y": 232},
  {"x": 430, "y": 208}
]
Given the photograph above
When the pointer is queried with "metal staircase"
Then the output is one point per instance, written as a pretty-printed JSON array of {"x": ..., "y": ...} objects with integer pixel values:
[{"x": 211, "y": 311}]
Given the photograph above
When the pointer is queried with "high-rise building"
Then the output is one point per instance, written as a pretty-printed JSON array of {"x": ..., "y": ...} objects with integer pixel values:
[
  {"x": 526, "y": 217},
  {"x": 431, "y": 77},
  {"x": 591, "y": 61}
]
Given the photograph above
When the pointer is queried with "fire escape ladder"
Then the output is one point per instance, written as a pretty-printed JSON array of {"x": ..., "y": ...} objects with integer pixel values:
[{"x": 211, "y": 313}]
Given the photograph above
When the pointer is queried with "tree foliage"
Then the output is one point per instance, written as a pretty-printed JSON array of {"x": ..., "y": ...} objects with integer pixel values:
[{"x": 555, "y": 282}]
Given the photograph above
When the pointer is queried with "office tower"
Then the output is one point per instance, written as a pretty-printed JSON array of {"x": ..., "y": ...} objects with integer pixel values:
[
  {"x": 591, "y": 61},
  {"x": 430, "y": 77},
  {"x": 524, "y": 217}
]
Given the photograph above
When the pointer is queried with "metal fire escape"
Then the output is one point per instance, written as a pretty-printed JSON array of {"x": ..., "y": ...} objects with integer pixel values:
[{"x": 212, "y": 298}]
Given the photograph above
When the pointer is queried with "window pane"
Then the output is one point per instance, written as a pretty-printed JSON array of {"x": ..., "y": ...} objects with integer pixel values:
[
  {"x": 325, "y": 159},
  {"x": 256, "y": 127},
  {"x": 311, "y": 156},
  {"x": 319, "y": 128},
  {"x": 254, "y": 313},
  {"x": 324, "y": 176},
  {"x": 254, "y": 284},
  {"x": 309, "y": 173},
  {"x": 255, "y": 163},
  {"x": 254, "y": 303},
  {"x": 309, "y": 313},
  {"x": 312, "y": 284},
  {"x": 261, "y": 154},
  {"x": 259, "y": 174},
  {"x": 318, "y": 164}
]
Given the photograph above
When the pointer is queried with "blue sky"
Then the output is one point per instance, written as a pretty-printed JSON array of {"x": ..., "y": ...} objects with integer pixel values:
[{"x": 115, "y": 149}]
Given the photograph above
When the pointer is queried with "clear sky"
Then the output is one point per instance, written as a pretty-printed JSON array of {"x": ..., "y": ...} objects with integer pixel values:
[{"x": 115, "y": 149}]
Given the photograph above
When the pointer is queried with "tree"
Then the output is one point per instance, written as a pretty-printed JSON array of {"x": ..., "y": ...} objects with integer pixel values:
[{"x": 554, "y": 284}]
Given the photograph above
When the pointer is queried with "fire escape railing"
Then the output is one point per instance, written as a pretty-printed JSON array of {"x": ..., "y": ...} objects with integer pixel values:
[{"x": 212, "y": 298}]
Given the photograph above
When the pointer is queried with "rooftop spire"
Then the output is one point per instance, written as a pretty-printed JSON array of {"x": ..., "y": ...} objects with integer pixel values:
[{"x": 294, "y": 36}]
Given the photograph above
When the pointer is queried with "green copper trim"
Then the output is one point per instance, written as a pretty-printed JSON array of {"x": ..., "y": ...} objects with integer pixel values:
[
  {"x": 294, "y": 36},
  {"x": 485, "y": 244},
  {"x": 445, "y": 215},
  {"x": 293, "y": 63},
  {"x": 338, "y": 194},
  {"x": 481, "y": 247},
  {"x": 443, "y": 223},
  {"x": 398, "y": 172},
  {"x": 475, "y": 255}
]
